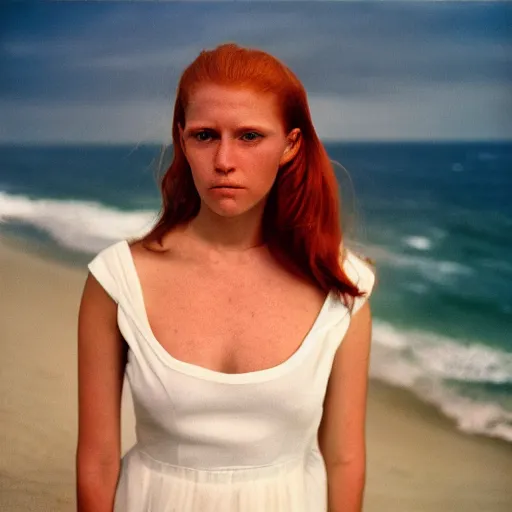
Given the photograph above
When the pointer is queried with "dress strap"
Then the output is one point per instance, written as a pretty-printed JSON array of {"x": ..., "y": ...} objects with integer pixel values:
[
  {"x": 103, "y": 268},
  {"x": 361, "y": 274}
]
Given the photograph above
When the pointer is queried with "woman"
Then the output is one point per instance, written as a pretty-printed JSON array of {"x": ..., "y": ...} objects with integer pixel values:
[{"x": 240, "y": 321}]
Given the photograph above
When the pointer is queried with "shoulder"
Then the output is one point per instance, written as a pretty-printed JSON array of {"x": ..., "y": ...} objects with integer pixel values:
[
  {"x": 105, "y": 268},
  {"x": 359, "y": 267},
  {"x": 109, "y": 250},
  {"x": 361, "y": 270}
]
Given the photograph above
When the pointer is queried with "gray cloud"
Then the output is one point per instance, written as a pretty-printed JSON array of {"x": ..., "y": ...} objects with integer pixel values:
[
  {"x": 93, "y": 71},
  {"x": 138, "y": 53}
]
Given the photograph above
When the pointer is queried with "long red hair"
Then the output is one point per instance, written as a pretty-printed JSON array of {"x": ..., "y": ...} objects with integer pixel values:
[{"x": 301, "y": 220}]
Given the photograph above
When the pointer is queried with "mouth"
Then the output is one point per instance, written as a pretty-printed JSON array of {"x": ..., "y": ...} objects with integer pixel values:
[{"x": 226, "y": 190}]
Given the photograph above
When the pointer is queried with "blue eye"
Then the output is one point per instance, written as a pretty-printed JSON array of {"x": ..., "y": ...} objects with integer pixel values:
[
  {"x": 251, "y": 136},
  {"x": 202, "y": 136}
]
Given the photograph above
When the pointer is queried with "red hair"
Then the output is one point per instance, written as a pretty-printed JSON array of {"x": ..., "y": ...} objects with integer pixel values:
[{"x": 301, "y": 219}]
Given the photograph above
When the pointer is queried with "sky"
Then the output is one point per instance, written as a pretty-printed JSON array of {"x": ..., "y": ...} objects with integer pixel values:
[{"x": 374, "y": 71}]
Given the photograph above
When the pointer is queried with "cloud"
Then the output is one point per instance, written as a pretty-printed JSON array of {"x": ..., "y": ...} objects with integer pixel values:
[
  {"x": 93, "y": 62},
  {"x": 426, "y": 113},
  {"x": 414, "y": 114},
  {"x": 141, "y": 122}
]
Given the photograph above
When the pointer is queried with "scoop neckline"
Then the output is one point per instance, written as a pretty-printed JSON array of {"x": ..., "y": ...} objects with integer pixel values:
[{"x": 208, "y": 374}]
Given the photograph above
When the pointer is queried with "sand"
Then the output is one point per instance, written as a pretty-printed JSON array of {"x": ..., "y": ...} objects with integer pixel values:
[{"x": 417, "y": 460}]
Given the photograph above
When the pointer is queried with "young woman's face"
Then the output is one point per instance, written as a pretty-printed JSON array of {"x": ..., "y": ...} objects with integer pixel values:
[{"x": 236, "y": 137}]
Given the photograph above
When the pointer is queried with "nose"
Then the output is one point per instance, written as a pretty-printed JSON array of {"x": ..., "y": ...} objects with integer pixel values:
[{"x": 224, "y": 157}]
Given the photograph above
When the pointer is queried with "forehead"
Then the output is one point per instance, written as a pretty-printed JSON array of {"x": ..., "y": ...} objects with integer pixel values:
[{"x": 209, "y": 103}]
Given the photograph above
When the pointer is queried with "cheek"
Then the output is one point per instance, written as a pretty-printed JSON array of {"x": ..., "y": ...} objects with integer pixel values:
[
  {"x": 198, "y": 163},
  {"x": 265, "y": 162}
]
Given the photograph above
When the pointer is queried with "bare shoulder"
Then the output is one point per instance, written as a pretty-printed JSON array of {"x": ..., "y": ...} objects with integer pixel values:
[
  {"x": 140, "y": 248},
  {"x": 171, "y": 246},
  {"x": 148, "y": 255}
]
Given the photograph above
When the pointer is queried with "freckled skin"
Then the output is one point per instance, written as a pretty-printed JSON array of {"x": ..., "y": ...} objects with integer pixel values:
[{"x": 233, "y": 135}]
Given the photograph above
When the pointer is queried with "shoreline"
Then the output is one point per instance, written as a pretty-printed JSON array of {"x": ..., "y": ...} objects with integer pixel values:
[{"x": 417, "y": 459}]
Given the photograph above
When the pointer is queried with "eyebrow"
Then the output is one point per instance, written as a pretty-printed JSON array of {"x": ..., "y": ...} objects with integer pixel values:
[{"x": 246, "y": 128}]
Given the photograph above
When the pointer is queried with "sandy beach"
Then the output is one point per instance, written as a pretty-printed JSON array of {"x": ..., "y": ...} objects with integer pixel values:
[{"x": 417, "y": 460}]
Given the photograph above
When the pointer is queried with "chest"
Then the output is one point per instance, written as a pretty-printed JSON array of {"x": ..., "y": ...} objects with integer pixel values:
[{"x": 232, "y": 322}]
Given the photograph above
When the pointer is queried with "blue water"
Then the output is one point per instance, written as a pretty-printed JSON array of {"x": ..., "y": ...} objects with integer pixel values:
[{"x": 436, "y": 217}]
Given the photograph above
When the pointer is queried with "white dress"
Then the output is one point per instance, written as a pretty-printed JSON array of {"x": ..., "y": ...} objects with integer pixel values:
[{"x": 210, "y": 441}]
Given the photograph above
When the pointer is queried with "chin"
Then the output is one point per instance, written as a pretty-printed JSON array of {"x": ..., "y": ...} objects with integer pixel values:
[
  {"x": 229, "y": 212},
  {"x": 228, "y": 209}
]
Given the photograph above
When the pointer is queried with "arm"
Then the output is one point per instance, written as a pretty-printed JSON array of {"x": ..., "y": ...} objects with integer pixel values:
[
  {"x": 342, "y": 429},
  {"x": 101, "y": 363}
]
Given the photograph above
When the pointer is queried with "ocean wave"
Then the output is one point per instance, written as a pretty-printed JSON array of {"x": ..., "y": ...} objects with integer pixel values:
[
  {"x": 448, "y": 358},
  {"x": 436, "y": 270},
  {"x": 426, "y": 364},
  {"x": 90, "y": 226},
  {"x": 420, "y": 243},
  {"x": 80, "y": 225},
  {"x": 419, "y": 361}
]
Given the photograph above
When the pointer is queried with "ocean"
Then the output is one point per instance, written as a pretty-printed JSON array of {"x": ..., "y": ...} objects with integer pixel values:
[{"x": 436, "y": 218}]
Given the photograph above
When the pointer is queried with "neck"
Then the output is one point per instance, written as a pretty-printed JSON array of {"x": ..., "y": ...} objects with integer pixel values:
[{"x": 228, "y": 236}]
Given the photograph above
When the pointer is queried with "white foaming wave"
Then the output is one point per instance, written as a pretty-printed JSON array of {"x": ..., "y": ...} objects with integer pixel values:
[
  {"x": 442, "y": 272},
  {"x": 80, "y": 225},
  {"x": 420, "y": 243},
  {"x": 423, "y": 362},
  {"x": 431, "y": 269},
  {"x": 447, "y": 358},
  {"x": 437, "y": 269}
]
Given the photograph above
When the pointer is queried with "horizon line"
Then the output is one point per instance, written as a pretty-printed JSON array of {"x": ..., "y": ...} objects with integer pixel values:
[{"x": 324, "y": 141}]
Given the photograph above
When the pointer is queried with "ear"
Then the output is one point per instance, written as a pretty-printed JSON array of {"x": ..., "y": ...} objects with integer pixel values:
[{"x": 292, "y": 146}]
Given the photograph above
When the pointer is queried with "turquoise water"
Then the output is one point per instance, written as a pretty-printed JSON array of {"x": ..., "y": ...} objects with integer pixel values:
[{"x": 436, "y": 217}]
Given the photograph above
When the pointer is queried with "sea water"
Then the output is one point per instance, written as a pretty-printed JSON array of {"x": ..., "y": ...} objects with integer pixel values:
[{"x": 435, "y": 217}]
